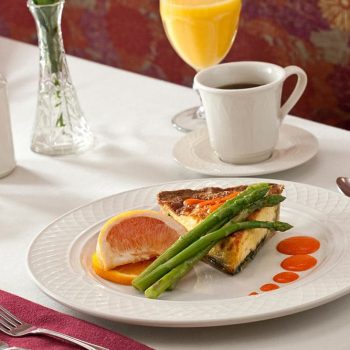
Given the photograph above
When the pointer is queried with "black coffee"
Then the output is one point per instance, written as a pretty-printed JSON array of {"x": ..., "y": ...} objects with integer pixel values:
[{"x": 238, "y": 86}]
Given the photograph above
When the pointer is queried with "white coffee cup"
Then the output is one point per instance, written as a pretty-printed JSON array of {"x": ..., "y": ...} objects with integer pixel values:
[{"x": 243, "y": 123}]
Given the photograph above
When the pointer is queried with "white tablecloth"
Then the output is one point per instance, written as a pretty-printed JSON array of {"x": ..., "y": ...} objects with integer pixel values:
[{"x": 130, "y": 116}]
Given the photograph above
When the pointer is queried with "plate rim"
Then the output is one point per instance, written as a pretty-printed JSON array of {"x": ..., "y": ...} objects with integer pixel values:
[
  {"x": 225, "y": 173},
  {"x": 186, "y": 323}
]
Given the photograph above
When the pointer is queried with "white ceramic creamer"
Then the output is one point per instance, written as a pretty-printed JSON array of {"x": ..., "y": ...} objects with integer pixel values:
[{"x": 7, "y": 156}]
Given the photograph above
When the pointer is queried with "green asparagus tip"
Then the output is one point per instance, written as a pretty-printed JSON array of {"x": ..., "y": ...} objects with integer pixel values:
[
  {"x": 258, "y": 185},
  {"x": 273, "y": 199},
  {"x": 282, "y": 226}
]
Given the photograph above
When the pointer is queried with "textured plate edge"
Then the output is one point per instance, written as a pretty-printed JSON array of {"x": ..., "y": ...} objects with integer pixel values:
[{"x": 190, "y": 324}]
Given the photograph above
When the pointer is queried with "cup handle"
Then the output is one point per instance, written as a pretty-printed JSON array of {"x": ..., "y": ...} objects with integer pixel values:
[{"x": 298, "y": 90}]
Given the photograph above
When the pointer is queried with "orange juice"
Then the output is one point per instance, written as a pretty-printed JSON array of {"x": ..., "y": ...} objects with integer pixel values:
[{"x": 201, "y": 31}]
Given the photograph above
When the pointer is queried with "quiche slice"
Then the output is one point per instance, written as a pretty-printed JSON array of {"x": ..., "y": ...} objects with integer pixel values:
[{"x": 189, "y": 207}]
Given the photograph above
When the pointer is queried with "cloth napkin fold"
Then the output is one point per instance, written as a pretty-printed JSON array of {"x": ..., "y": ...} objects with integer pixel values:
[{"x": 46, "y": 318}]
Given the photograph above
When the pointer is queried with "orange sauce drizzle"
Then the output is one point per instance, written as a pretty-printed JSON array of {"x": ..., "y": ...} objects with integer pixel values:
[
  {"x": 191, "y": 201},
  {"x": 285, "y": 277},
  {"x": 300, "y": 262},
  {"x": 298, "y": 245},
  {"x": 212, "y": 204},
  {"x": 214, "y": 207},
  {"x": 268, "y": 287},
  {"x": 298, "y": 248},
  {"x": 218, "y": 200}
]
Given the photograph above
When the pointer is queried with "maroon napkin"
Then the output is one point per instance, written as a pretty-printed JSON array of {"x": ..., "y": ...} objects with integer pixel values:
[{"x": 46, "y": 318}]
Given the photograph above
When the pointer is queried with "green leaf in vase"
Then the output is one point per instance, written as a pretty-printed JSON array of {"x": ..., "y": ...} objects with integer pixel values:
[{"x": 45, "y": 2}]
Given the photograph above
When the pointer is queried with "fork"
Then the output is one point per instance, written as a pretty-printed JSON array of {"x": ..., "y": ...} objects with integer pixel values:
[{"x": 11, "y": 325}]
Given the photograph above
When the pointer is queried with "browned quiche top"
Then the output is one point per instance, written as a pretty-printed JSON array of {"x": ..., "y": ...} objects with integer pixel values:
[{"x": 198, "y": 202}]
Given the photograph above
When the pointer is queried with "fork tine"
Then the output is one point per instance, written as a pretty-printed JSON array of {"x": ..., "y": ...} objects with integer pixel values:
[
  {"x": 4, "y": 325},
  {"x": 5, "y": 330},
  {"x": 6, "y": 322},
  {"x": 10, "y": 317}
]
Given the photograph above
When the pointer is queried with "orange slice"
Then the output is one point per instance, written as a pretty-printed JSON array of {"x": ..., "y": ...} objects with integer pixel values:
[
  {"x": 122, "y": 274},
  {"x": 134, "y": 236}
]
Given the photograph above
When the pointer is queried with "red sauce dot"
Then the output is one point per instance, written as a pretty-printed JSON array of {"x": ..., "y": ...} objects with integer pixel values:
[
  {"x": 299, "y": 262},
  {"x": 285, "y": 277},
  {"x": 253, "y": 293},
  {"x": 268, "y": 287},
  {"x": 298, "y": 245}
]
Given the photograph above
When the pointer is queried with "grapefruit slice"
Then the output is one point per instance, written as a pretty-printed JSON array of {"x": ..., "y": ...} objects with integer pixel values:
[
  {"x": 134, "y": 236},
  {"x": 121, "y": 274}
]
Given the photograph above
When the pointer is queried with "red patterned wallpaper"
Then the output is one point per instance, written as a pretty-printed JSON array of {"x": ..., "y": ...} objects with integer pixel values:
[{"x": 313, "y": 34}]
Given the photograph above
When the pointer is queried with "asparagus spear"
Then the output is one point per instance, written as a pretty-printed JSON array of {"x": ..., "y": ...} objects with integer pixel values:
[
  {"x": 219, "y": 217},
  {"x": 169, "y": 280},
  {"x": 204, "y": 242}
]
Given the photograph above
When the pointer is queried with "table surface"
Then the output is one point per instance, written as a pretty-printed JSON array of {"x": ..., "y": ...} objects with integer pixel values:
[{"x": 130, "y": 116}]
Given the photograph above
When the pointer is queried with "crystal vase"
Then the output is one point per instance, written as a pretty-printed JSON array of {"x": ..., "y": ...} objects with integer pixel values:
[{"x": 60, "y": 126}]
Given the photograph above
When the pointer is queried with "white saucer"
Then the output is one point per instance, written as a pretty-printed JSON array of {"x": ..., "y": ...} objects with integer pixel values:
[{"x": 295, "y": 146}]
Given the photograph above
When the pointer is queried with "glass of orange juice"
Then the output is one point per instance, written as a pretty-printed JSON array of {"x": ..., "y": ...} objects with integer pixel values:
[{"x": 201, "y": 32}]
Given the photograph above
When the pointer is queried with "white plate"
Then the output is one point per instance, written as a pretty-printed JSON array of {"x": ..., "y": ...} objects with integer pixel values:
[
  {"x": 59, "y": 262},
  {"x": 295, "y": 146}
]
